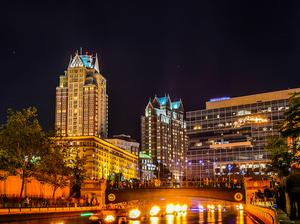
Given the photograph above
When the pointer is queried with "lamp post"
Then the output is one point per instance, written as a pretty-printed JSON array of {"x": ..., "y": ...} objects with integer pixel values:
[{"x": 201, "y": 164}]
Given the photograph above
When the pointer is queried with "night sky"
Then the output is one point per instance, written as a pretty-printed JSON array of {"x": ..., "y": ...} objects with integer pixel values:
[{"x": 191, "y": 51}]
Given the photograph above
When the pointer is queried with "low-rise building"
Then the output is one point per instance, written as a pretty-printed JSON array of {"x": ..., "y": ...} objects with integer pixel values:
[
  {"x": 102, "y": 158},
  {"x": 125, "y": 142},
  {"x": 147, "y": 167}
]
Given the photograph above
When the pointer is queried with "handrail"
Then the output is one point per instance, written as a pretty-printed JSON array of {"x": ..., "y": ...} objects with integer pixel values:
[
  {"x": 267, "y": 215},
  {"x": 8, "y": 211}
]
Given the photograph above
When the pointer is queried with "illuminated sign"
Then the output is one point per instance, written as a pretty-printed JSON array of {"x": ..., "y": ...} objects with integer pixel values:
[{"x": 219, "y": 99}]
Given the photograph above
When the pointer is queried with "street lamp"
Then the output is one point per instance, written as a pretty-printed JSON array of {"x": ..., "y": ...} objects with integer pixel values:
[{"x": 201, "y": 164}]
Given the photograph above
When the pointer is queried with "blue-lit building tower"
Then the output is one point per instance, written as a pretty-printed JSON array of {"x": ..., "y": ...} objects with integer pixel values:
[{"x": 164, "y": 137}]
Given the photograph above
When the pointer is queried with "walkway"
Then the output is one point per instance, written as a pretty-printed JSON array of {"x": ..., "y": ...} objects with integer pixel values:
[{"x": 284, "y": 219}]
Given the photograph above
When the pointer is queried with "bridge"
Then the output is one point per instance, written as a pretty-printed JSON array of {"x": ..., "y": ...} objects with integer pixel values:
[{"x": 124, "y": 195}]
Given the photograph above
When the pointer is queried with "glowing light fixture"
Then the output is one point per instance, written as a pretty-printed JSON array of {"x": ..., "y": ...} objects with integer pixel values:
[
  {"x": 154, "y": 210},
  {"x": 184, "y": 207},
  {"x": 134, "y": 213},
  {"x": 241, "y": 206},
  {"x": 177, "y": 208},
  {"x": 86, "y": 214},
  {"x": 170, "y": 208},
  {"x": 109, "y": 218}
]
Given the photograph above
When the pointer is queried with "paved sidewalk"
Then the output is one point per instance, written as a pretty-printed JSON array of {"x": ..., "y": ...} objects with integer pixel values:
[{"x": 284, "y": 219}]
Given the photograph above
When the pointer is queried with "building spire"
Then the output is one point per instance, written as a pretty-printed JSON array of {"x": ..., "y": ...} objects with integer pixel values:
[
  {"x": 70, "y": 60},
  {"x": 96, "y": 66}
]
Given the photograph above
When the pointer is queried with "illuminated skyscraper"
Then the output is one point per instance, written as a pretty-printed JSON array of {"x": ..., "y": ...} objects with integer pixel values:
[
  {"x": 164, "y": 137},
  {"x": 81, "y": 119},
  {"x": 81, "y": 99}
]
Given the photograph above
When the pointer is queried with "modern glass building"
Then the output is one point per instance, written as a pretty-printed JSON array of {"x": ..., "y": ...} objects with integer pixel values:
[{"x": 230, "y": 135}]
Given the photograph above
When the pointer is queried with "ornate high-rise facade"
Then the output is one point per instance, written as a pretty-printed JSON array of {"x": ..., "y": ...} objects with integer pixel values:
[
  {"x": 164, "y": 137},
  {"x": 81, "y": 98},
  {"x": 81, "y": 120}
]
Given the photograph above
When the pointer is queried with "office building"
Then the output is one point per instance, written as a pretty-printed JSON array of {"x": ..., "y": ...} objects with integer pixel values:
[
  {"x": 125, "y": 142},
  {"x": 164, "y": 137},
  {"x": 81, "y": 98},
  {"x": 230, "y": 135}
]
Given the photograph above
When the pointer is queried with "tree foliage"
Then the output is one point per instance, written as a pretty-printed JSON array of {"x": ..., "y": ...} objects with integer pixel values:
[
  {"x": 21, "y": 144},
  {"x": 282, "y": 154},
  {"x": 291, "y": 124},
  {"x": 53, "y": 169},
  {"x": 26, "y": 150},
  {"x": 76, "y": 164}
]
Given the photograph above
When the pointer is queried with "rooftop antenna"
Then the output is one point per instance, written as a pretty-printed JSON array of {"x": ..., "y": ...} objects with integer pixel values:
[{"x": 80, "y": 50}]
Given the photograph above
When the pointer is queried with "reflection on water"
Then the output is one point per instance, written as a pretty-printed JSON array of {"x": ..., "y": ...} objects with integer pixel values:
[
  {"x": 154, "y": 220},
  {"x": 134, "y": 222},
  {"x": 240, "y": 217},
  {"x": 199, "y": 211},
  {"x": 219, "y": 215},
  {"x": 205, "y": 214},
  {"x": 201, "y": 216},
  {"x": 170, "y": 219}
]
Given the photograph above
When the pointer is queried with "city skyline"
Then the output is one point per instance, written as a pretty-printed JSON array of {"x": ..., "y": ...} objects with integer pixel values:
[{"x": 204, "y": 49}]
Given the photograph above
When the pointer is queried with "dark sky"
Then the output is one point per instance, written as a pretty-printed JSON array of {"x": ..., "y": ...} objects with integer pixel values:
[{"x": 191, "y": 51}]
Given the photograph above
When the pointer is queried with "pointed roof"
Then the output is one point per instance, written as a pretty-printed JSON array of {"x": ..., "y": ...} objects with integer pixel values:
[
  {"x": 149, "y": 104},
  {"x": 76, "y": 61},
  {"x": 84, "y": 60},
  {"x": 96, "y": 65},
  {"x": 163, "y": 100},
  {"x": 177, "y": 105}
]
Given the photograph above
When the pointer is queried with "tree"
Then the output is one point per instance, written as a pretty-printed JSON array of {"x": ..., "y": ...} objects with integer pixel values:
[
  {"x": 21, "y": 144},
  {"x": 53, "y": 169},
  {"x": 291, "y": 124},
  {"x": 78, "y": 173},
  {"x": 284, "y": 153},
  {"x": 280, "y": 154}
]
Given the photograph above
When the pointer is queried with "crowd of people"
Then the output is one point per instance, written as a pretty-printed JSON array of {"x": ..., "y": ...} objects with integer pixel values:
[{"x": 217, "y": 182}]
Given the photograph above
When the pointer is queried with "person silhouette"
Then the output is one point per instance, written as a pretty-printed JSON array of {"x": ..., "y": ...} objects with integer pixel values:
[{"x": 293, "y": 190}]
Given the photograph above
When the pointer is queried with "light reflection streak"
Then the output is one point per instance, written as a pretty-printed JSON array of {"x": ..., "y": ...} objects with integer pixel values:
[
  {"x": 134, "y": 222},
  {"x": 170, "y": 219},
  {"x": 154, "y": 220},
  {"x": 201, "y": 217},
  {"x": 220, "y": 216}
]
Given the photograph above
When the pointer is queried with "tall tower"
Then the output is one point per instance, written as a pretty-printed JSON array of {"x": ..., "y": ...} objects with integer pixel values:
[
  {"x": 81, "y": 98},
  {"x": 164, "y": 137}
]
